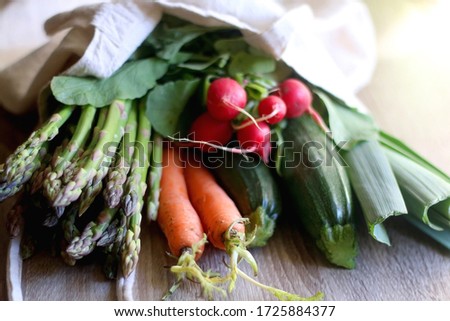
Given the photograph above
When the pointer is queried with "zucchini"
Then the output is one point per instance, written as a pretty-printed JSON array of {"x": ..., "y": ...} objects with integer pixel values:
[
  {"x": 319, "y": 189},
  {"x": 251, "y": 186}
]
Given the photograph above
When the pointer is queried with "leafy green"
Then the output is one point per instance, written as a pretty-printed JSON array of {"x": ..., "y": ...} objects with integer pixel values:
[
  {"x": 166, "y": 102},
  {"x": 169, "y": 41},
  {"x": 131, "y": 81},
  {"x": 346, "y": 123},
  {"x": 221, "y": 60},
  {"x": 231, "y": 46},
  {"x": 246, "y": 63}
]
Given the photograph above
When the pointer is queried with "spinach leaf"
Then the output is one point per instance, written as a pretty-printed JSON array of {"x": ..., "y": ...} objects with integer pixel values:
[
  {"x": 171, "y": 40},
  {"x": 231, "y": 46},
  {"x": 245, "y": 63},
  {"x": 131, "y": 81},
  {"x": 220, "y": 60},
  {"x": 166, "y": 102}
]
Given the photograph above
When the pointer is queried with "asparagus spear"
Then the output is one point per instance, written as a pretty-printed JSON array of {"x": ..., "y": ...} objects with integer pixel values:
[
  {"x": 117, "y": 175},
  {"x": 115, "y": 120},
  {"x": 113, "y": 250},
  {"x": 69, "y": 232},
  {"x": 95, "y": 186},
  {"x": 65, "y": 153},
  {"x": 154, "y": 178},
  {"x": 54, "y": 184},
  {"x": 53, "y": 215},
  {"x": 26, "y": 159},
  {"x": 84, "y": 244},
  {"x": 39, "y": 175},
  {"x": 134, "y": 194},
  {"x": 9, "y": 188},
  {"x": 109, "y": 235},
  {"x": 81, "y": 156}
]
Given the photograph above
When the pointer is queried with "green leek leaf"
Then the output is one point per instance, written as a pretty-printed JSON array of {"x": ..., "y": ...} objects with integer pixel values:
[
  {"x": 442, "y": 237},
  {"x": 421, "y": 188},
  {"x": 375, "y": 186},
  {"x": 397, "y": 145},
  {"x": 346, "y": 124},
  {"x": 437, "y": 219}
]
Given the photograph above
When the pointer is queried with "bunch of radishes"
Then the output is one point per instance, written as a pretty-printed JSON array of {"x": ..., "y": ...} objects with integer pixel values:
[{"x": 226, "y": 99}]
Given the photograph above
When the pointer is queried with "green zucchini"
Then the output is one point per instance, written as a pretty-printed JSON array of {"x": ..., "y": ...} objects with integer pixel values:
[
  {"x": 253, "y": 189},
  {"x": 319, "y": 189}
]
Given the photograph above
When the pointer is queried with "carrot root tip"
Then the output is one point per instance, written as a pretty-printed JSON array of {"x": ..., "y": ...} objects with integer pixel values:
[{"x": 187, "y": 268}]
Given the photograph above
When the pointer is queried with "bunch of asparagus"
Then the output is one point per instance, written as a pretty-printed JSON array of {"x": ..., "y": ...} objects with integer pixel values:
[{"x": 64, "y": 178}]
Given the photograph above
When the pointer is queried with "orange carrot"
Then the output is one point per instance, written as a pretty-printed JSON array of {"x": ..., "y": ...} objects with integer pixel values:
[
  {"x": 181, "y": 225},
  {"x": 220, "y": 217},
  {"x": 216, "y": 209},
  {"x": 177, "y": 218}
]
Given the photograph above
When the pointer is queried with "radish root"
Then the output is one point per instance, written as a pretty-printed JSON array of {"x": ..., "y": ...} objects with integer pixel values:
[{"x": 263, "y": 118}]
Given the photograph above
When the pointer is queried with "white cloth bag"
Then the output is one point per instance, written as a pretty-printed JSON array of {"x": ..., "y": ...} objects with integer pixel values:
[{"x": 331, "y": 43}]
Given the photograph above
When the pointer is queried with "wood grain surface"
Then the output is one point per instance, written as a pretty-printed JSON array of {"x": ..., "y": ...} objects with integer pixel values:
[{"x": 408, "y": 97}]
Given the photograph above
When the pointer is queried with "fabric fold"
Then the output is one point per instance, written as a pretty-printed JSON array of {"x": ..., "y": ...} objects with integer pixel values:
[{"x": 329, "y": 43}]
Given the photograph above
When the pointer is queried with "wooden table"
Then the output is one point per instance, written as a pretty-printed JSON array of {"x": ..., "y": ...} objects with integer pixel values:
[{"x": 408, "y": 97}]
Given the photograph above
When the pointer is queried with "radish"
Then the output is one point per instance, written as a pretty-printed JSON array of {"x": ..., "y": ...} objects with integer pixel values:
[
  {"x": 272, "y": 109},
  {"x": 297, "y": 97},
  {"x": 208, "y": 129},
  {"x": 225, "y": 99},
  {"x": 251, "y": 137}
]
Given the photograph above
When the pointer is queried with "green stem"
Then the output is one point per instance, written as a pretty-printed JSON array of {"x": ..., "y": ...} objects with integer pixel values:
[
  {"x": 80, "y": 135},
  {"x": 118, "y": 173},
  {"x": 154, "y": 178},
  {"x": 134, "y": 193}
]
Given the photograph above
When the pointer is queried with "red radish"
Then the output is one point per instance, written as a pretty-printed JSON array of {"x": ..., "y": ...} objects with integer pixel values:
[
  {"x": 297, "y": 97},
  {"x": 208, "y": 129},
  {"x": 252, "y": 137},
  {"x": 272, "y": 109},
  {"x": 225, "y": 98}
]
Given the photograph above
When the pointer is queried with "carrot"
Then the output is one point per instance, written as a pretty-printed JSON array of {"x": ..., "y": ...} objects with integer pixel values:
[
  {"x": 181, "y": 225},
  {"x": 215, "y": 208},
  {"x": 177, "y": 218},
  {"x": 223, "y": 224},
  {"x": 220, "y": 217}
]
